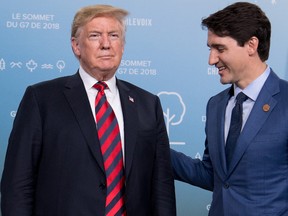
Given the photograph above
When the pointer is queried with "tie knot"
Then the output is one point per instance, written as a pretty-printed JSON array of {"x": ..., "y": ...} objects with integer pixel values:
[
  {"x": 241, "y": 97},
  {"x": 100, "y": 86}
]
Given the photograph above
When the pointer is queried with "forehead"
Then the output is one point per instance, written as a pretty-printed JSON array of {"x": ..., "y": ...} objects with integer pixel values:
[
  {"x": 215, "y": 40},
  {"x": 103, "y": 23}
]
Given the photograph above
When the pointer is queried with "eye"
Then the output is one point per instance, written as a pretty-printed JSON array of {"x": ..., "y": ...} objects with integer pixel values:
[
  {"x": 114, "y": 35},
  {"x": 94, "y": 36},
  {"x": 220, "y": 49}
]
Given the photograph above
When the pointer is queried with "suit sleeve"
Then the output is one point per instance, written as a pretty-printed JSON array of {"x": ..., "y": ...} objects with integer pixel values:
[
  {"x": 163, "y": 187},
  {"x": 192, "y": 171},
  {"x": 20, "y": 168}
]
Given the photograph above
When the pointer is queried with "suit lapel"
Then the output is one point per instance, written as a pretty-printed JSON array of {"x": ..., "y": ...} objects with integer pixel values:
[
  {"x": 257, "y": 117},
  {"x": 218, "y": 150},
  {"x": 130, "y": 115},
  {"x": 78, "y": 100}
]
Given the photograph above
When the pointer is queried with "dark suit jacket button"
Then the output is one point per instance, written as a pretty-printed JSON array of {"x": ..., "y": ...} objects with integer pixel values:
[
  {"x": 102, "y": 186},
  {"x": 226, "y": 185}
]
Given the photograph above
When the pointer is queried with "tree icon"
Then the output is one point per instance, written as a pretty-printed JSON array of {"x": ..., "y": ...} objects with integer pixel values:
[{"x": 173, "y": 108}]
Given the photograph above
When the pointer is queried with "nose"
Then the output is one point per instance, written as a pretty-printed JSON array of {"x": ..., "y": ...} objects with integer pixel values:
[
  {"x": 213, "y": 57},
  {"x": 105, "y": 42}
]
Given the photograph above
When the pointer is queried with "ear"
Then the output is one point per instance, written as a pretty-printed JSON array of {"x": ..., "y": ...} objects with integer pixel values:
[
  {"x": 75, "y": 46},
  {"x": 253, "y": 45}
]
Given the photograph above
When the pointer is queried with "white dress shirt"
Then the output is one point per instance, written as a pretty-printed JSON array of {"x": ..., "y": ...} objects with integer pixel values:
[{"x": 112, "y": 95}]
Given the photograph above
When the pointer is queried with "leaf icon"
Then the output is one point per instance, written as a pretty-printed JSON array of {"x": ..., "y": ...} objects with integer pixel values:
[{"x": 31, "y": 65}]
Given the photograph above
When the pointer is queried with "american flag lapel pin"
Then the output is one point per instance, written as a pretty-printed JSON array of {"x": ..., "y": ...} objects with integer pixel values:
[{"x": 131, "y": 99}]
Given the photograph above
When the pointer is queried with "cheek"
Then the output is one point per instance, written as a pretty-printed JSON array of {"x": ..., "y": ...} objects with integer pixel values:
[
  {"x": 87, "y": 50},
  {"x": 82, "y": 47},
  {"x": 118, "y": 47}
]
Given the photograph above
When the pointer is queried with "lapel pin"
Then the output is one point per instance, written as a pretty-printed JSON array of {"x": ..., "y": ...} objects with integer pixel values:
[
  {"x": 266, "y": 107},
  {"x": 131, "y": 99}
]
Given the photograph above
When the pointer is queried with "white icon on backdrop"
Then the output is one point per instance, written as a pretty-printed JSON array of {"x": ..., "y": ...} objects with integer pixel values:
[
  {"x": 31, "y": 65},
  {"x": 16, "y": 64},
  {"x": 60, "y": 65},
  {"x": 198, "y": 156},
  {"x": 174, "y": 116},
  {"x": 13, "y": 114},
  {"x": 47, "y": 66},
  {"x": 2, "y": 64}
]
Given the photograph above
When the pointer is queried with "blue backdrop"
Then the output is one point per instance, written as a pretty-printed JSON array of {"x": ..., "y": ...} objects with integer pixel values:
[{"x": 165, "y": 53}]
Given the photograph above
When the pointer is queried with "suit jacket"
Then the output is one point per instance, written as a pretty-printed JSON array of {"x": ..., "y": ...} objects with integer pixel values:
[
  {"x": 54, "y": 165},
  {"x": 256, "y": 183}
]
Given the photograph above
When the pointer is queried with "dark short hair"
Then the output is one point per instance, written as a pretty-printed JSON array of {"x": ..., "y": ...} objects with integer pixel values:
[{"x": 241, "y": 21}]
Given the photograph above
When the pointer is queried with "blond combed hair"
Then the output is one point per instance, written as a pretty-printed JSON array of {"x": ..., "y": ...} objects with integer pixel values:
[{"x": 88, "y": 13}]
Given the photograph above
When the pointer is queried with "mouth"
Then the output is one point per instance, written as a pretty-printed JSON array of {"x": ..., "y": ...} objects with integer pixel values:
[
  {"x": 221, "y": 68},
  {"x": 106, "y": 57}
]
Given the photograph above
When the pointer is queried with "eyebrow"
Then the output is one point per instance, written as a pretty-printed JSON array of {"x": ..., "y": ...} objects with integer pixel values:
[{"x": 216, "y": 45}]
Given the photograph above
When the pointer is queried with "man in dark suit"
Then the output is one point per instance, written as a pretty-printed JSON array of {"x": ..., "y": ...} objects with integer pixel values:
[
  {"x": 54, "y": 164},
  {"x": 252, "y": 179}
]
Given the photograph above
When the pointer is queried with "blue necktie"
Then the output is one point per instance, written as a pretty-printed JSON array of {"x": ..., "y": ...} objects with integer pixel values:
[{"x": 235, "y": 127}]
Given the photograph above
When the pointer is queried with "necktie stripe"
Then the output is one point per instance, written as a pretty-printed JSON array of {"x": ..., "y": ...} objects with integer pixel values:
[
  {"x": 113, "y": 183},
  {"x": 110, "y": 141},
  {"x": 104, "y": 115},
  {"x": 108, "y": 159},
  {"x": 100, "y": 101},
  {"x": 115, "y": 208},
  {"x": 109, "y": 127},
  {"x": 105, "y": 128},
  {"x": 112, "y": 161},
  {"x": 115, "y": 192},
  {"x": 114, "y": 173}
]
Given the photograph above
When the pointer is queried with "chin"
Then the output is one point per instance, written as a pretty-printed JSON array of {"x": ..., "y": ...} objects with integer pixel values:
[{"x": 224, "y": 82}]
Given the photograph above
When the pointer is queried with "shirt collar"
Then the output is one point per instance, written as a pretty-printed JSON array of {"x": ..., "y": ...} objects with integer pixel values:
[
  {"x": 89, "y": 81},
  {"x": 254, "y": 88}
]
